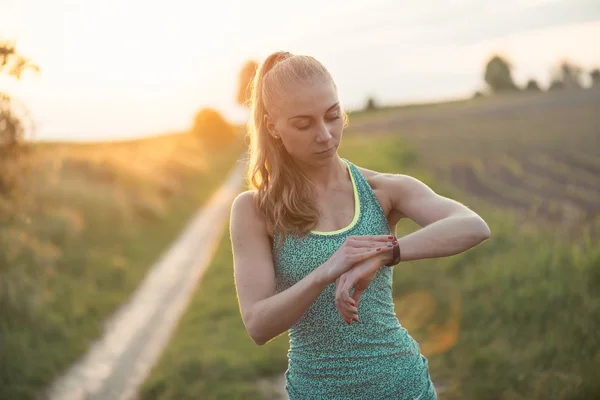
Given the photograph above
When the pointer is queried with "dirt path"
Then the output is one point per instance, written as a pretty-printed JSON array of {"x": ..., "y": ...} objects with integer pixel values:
[{"x": 135, "y": 335}]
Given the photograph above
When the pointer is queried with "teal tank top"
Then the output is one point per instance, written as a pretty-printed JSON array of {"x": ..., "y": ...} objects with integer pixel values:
[{"x": 375, "y": 358}]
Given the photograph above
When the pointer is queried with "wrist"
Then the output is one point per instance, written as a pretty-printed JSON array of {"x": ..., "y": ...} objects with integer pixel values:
[
  {"x": 393, "y": 257},
  {"x": 386, "y": 259},
  {"x": 320, "y": 278}
]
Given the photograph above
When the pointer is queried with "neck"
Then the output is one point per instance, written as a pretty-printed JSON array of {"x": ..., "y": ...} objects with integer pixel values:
[{"x": 326, "y": 175}]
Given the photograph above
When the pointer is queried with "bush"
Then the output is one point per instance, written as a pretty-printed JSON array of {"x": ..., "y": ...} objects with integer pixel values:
[
  {"x": 595, "y": 76},
  {"x": 13, "y": 127},
  {"x": 532, "y": 86},
  {"x": 211, "y": 128},
  {"x": 371, "y": 105}
]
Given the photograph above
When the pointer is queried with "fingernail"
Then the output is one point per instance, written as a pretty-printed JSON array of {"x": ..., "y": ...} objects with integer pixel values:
[
  {"x": 394, "y": 242},
  {"x": 390, "y": 245},
  {"x": 390, "y": 237},
  {"x": 378, "y": 249}
]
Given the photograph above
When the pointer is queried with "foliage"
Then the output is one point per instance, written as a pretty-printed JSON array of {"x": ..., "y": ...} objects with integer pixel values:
[
  {"x": 498, "y": 75},
  {"x": 566, "y": 75},
  {"x": 532, "y": 86},
  {"x": 371, "y": 104},
  {"x": 212, "y": 129},
  {"x": 13, "y": 128},
  {"x": 12, "y": 63},
  {"x": 556, "y": 85},
  {"x": 595, "y": 76},
  {"x": 99, "y": 217}
]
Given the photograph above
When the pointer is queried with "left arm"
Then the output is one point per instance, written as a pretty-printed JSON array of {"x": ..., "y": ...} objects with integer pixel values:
[{"x": 447, "y": 226}]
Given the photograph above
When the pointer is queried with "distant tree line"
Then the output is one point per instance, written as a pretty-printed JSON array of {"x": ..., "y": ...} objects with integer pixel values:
[
  {"x": 566, "y": 75},
  {"x": 498, "y": 78}
]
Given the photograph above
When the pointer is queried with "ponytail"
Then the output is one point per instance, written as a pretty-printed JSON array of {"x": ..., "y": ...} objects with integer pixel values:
[{"x": 285, "y": 195}]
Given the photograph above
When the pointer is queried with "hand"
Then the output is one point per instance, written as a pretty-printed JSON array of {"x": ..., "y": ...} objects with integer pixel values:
[
  {"x": 354, "y": 250},
  {"x": 358, "y": 277}
]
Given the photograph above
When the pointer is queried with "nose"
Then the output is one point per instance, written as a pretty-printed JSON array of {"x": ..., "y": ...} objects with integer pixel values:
[{"x": 323, "y": 135}]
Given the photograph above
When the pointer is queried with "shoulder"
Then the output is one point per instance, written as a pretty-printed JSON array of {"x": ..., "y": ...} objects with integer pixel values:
[
  {"x": 244, "y": 208},
  {"x": 389, "y": 181},
  {"x": 244, "y": 201},
  {"x": 244, "y": 212},
  {"x": 396, "y": 192}
]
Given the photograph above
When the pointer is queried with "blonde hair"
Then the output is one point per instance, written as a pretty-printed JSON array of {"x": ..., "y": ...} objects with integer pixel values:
[{"x": 285, "y": 196}]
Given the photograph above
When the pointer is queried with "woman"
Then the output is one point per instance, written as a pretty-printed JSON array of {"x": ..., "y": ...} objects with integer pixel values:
[{"x": 313, "y": 243}]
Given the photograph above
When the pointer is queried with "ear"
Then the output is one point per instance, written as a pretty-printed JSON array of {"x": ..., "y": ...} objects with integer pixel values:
[{"x": 270, "y": 125}]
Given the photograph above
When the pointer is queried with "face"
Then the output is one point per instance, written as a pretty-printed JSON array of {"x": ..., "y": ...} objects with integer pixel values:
[{"x": 309, "y": 121}]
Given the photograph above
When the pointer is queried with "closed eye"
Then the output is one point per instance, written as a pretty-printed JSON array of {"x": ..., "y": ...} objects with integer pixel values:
[{"x": 307, "y": 126}]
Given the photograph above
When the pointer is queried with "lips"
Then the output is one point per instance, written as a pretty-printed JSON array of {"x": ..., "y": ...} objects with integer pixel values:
[{"x": 326, "y": 151}]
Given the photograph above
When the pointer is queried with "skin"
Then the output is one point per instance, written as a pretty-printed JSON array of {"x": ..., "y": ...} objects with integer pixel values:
[{"x": 448, "y": 227}]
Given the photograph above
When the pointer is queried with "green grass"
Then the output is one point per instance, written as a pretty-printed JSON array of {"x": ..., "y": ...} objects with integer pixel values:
[
  {"x": 96, "y": 218},
  {"x": 211, "y": 356},
  {"x": 515, "y": 318}
]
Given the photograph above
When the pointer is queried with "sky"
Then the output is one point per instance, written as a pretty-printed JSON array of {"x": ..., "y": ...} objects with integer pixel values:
[{"x": 119, "y": 69}]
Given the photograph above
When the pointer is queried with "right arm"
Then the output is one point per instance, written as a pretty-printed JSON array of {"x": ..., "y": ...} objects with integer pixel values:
[{"x": 266, "y": 314}]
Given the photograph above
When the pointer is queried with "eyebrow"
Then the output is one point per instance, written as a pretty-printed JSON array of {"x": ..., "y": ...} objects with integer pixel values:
[{"x": 309, "y": 116}]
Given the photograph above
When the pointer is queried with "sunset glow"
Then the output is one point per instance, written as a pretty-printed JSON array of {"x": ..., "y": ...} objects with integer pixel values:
[{"x": 116, "y": 69}]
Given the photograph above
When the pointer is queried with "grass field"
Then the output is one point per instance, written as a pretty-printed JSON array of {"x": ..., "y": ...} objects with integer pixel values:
[
  {"x": 94, "y": 218},
  {"x": 515, "y": 318}
]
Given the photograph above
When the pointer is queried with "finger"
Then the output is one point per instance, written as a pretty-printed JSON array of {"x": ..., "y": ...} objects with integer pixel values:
[
  {"x": 347, "y": 312},
  {"x": 350, "y": 315},
  {"x": 373, "y": 238},
  {"x": 344, "y": 302},
  {"x": 367, "y": 244},
  {"x": 353, "y": 313},
  {"x": 347, "y": 307},
  {"x": 370, "y": 244},
  {"x": 346, "y": 316},
  {"x": 364, "y": 254}
]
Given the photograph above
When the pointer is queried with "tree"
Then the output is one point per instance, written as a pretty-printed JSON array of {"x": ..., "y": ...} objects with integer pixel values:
[
  {"x": 556, "y": 85},
  {"x": 498, "y": 75},
  {"x": 370, "y": 105},
  {"x": 12, "y": 63},
  {"x": 595, "y": 75},
  {"x": 571, "y": 75},
  {"x": 245, "y": 79},
  {"x": 532, "y": 86},
  {"x": 212, "y": 129},
  {"x": 566, "y": 75},
  {"x": 12, "y": 128}
]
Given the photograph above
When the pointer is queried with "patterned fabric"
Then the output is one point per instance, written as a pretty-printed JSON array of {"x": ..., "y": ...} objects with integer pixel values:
[{"x": 375, "y": 358}]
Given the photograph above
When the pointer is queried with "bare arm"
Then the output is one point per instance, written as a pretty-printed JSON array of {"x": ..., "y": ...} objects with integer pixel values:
[
  {"x": 447, "y": 226},
  {"x": 266, "y": 314}
]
